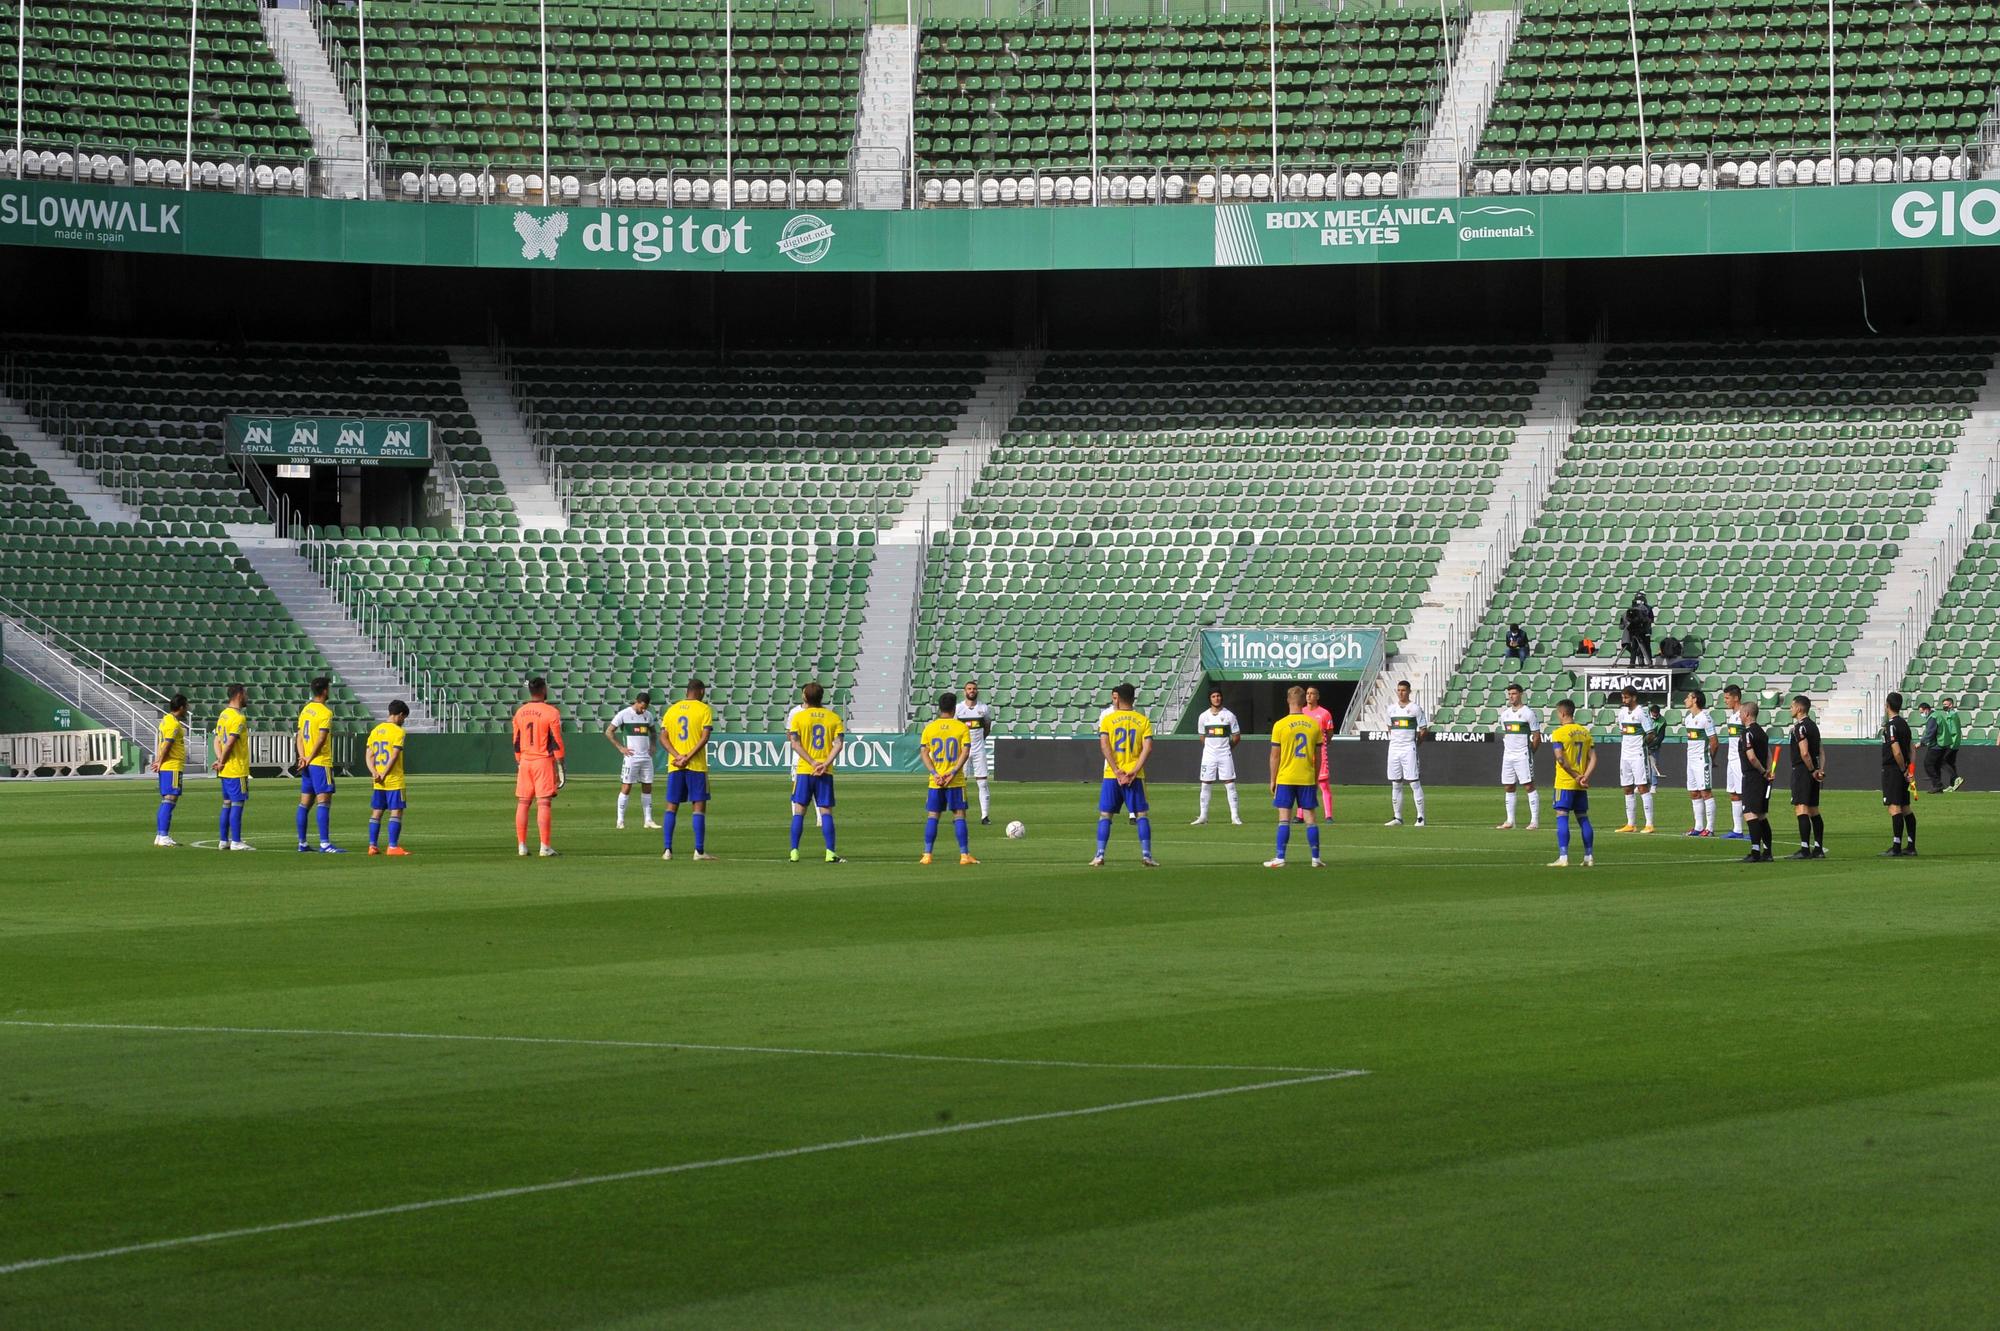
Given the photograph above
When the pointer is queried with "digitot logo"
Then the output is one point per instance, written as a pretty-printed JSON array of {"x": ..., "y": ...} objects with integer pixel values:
[
  {"x": 806, "y": 239},
  {"x": 540, "y": 234}
]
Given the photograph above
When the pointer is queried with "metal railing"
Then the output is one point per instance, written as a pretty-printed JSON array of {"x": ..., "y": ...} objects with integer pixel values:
[
  {"x": 82, "y": 161},
  {"x": 602, "y": 184},
  {"x": 68, "y": 667},
  {"x": 369, "y": 611}
]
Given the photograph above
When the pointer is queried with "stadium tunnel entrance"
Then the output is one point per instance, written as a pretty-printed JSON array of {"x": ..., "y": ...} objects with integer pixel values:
[
  {"x": 328, "y": 494},
  {"x": 1259, "y": 703}
]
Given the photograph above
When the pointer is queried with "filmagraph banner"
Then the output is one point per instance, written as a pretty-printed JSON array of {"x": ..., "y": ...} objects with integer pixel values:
[{"x": 641, "y": 239}]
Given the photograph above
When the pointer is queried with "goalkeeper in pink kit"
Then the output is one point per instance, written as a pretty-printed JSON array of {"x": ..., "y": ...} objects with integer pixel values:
[{"x": 1325, "y": 719}]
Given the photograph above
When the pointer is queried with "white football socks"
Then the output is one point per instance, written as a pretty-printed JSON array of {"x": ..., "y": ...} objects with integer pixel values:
[
  {"x": 983, "y": 805},
  {"x": 1204, "y": 799},
  {"x": 1632, "y": 811},
  {"x": 1647, "y": 801},
  {"x": 1736, "y": 814},
  {"x": 1396, "y": 799},
  {"x": 646, "y": 804},
  {"x": 622, "y": 800},
  {"x": 1235, "y": 815},
  {"x": 1417, "y": 789},
  {"x": 1512, "y": 802},
  {"x": 1534, "y": 806}
]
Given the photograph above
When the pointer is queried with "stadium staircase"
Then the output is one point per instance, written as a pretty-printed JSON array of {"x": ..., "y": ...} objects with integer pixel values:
[
  {"x": 1468, "y": 98},
  {"x": 82, "y": 488},
  {"x": 1900, "y": 621},
  {"x": 326, "y": 621},
  {"x": 1473, "y": 561},
  {"x": 508, "y": 439},
  {"x": 882, "y": 134},
  {"x": 1958, "y": 658},
  {"x": 882, "y": 694},
  {"x": 336, "y": 138}
]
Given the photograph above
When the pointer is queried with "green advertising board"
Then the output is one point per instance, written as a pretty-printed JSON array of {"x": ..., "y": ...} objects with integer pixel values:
[
  {"x": 368, "y": 442},
  {"x": 1290, "y": 654},
  {"x": 633, "y": 238}
]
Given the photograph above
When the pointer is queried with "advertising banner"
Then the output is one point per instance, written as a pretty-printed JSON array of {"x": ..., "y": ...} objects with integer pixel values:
[
  {"x": 1290, "y": 654},
  {"x": 368, "y": 442},
  {"x": 640, "y": 238}
]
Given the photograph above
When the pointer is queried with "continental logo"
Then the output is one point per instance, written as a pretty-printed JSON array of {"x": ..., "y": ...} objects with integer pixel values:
[
  {"x": 1920, "y": 213},
  {"x": 106, "y": 221}
]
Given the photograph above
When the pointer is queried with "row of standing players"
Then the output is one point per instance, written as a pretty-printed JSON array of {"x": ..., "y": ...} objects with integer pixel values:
[
  {"x": 954, "y": 745},
  {"x": 312, "y": 762}
]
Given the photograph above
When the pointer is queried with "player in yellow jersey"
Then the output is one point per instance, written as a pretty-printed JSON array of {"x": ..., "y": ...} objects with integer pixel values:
[
  {"x": 1576, "y": 759},
  {"x": 385, "y": 767},
  {"x": 946, "y": 747},
  {"x": 231, "y": 745},
  {"x": 315, "y": 763},
  {"x": 170, "y": 761},
  {"x": 1296, "y": 743},
  {"x": 816, "y": 737},
  {"x": 685, "y": 730},
  {"x": 1125, "y": 738}
]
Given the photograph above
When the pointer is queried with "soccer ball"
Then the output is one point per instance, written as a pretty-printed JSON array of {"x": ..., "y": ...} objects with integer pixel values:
[{"x": 1017, "y": 830}]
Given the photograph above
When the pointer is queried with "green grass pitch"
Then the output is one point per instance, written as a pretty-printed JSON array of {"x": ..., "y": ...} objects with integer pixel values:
[{"x": 1673, "y": 1090}]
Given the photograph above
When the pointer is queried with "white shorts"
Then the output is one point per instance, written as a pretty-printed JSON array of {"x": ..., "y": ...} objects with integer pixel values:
[
  {"x": 1701, "y": 775},
  {"x": 636, "y": 772},
  {"x": 1735, "y": 779},
  {"x": 1632, "y": 771},
  {"x": 975, "y": 764},
  {"x": 1517, "y": 769},
  {"x": 1218, "y": 767},
  {"x": 1403, "y": 764}
]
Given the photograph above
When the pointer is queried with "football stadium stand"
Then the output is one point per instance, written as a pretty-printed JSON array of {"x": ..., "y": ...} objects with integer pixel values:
[
  {"x": 1757, "y": 493},
  {"x": 26, "y": 491},
  {"x": 1184, "y": 105},
  {"x": 1738, "y": 94},
  {"x": 105, "y": 89},
  {"x": 635, "y": 91},
  {"x": 182, "y": 615},
  {"x": 1143, "y": 495},
  {"x": 1957, "y": 657},
  {"x": 148, "y": 418}
]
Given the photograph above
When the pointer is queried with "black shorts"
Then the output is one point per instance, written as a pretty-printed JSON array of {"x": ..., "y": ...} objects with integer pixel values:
[
  {"x": 1805, "y": 790},
  {"x": 1895, "y": 787},
  {"x": 1756, "y": 794}
]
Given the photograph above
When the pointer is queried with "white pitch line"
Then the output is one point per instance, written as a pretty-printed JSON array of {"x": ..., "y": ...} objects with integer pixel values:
[
  {"x": 658, "y": 1171},
  {"x": 672, "y": 1044}
]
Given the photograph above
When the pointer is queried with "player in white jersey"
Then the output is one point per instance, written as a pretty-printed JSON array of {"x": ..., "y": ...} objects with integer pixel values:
[
  {"x": 1733, "y": 725},
  {"x": 978, "y": 719},
  {"x": 1699, "y": 728},
  {"x": 1520, "y": 735},
  {"x": 1220, "y": 734},
  {"x": 1632, "y": 767},
  {"x": 1408, "y": 724},
  {"x": 631, "y": 733}
]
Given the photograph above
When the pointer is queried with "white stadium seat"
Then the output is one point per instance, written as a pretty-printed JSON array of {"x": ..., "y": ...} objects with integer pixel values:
[
  {"x": 1788, "y": 173},
  {"x": 1593, "y": 179},
  {"x": 1260, "y": 186},
  {"x": 760, "y": 191},
  {"x": 627, "y": 189},
  {"x": 447, "y": 186},
  {"x": 411, "y": 183},
  {"x": 1176, "y": 188},
  {"x": 949, "y": 192},
  {"x": 989, "y": 190},
  {"x": 1204, "y": 188},
  {"x": 1316, "y": 184},
  {"x": 780, "y": 191},
  {"x": 934, "y": 192},
  {"x": 1921, "y": 168},
  {"x": 836, "y": 190},
  {"x": 1064, "y": 191},
  {"x": 697, "y": 192}
]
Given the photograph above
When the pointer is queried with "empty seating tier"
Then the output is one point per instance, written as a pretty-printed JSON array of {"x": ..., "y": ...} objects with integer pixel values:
[
  {"x": 751, "y": 444},
  {"x": 1957, "y": 660},
  {"x": 631, "y": 86},
  {"x": 150, "y": 418},
  {"x": 1756, "y": 493},
  {"x": 26, "y": 490},
  {"x": 113, "y": 78},
  {"x": 1741, "y": 79},
  {"x": 185, "y": 616},
  {"x": 753, "y": 619},
  {"x": 1145, "y": 495},
  {"x": 1189, "y": 93}
]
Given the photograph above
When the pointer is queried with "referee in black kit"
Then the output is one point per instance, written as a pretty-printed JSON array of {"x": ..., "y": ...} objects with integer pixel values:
[
  {"x": 1897, "y": 756},
  {"x": 1808, "y": 774},
  {"x": 1753, "y": 752}
]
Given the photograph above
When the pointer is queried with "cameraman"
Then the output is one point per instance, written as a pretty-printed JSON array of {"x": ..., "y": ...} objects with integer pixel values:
[{"x": 1637, "y": 627}]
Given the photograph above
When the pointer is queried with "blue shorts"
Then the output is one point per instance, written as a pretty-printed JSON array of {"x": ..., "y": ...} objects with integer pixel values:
[
  {"x": 1573, "y": 801},
  {"x": 947, "y": 799},
  {"x": 809, "y": 789},
  {"x": 235, "y": 790},
  {"x": 1113, "y": 797},
  {"x": 170, "y": 783},
  {"x": 316, "y": 781},
  {"x": 391, "y": 800},
  {"x": 1295, "y": 797},
  {"x": 692, "y": 788}
]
